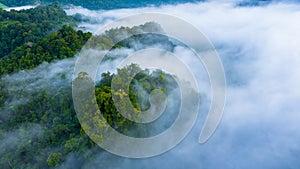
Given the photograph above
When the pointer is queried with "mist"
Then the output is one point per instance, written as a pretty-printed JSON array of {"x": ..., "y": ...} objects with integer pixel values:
[{"x": 259, "y": 48}]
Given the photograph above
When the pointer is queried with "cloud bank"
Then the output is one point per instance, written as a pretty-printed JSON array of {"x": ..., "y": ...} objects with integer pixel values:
[{"x": 259, "y": 47}]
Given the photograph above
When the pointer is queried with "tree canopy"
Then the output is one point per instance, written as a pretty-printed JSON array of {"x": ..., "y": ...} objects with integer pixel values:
[
  {"x": 96, "y": 4},
  {"x": 42, "y": 130},
  {"x": 28, "y": 26}
]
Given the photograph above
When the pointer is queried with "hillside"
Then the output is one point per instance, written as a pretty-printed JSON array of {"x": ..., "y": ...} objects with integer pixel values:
[
  {"x": 28, "y": 26},
  {"x": 96, "y": 4},
  {"x": 2, "y": 6},
  {"x": 38, "y": 124}
]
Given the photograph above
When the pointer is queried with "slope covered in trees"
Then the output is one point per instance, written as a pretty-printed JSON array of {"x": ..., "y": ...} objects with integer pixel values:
[
  {"x": 96, "y": 4},
  {"x": 12, "y": 3},
  {"x": 61, "y": 44},
  {"x": 38, "y": 124},
  {"x": 28, "y": 26},
  {"x": 47, "y": 127},
  {"x": 3, "y": 6},
  {"x": 28, "y": 129}
]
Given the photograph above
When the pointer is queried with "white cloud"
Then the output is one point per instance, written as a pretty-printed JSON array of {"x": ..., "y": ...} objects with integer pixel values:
[{"x": 259, "y": 47}]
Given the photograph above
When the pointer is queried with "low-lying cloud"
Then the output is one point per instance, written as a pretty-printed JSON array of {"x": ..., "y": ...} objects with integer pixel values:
[{"x": 259, "y": 48}]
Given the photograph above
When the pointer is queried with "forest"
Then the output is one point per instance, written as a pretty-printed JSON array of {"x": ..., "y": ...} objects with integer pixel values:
[
  {"x": 28, "y": 26},
  {"x": 96, "y": 4},
  {"x": 38, "y": 124}
]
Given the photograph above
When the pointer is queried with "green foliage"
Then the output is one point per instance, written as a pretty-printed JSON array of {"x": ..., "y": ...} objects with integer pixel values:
[
  {"x": 3, "y": 6},
  {"x": 61, "y": 44},
  {"x": 55, "y": 112},
  {"x": 114, "y": 38},
  {"x": 141, "y": 85},
  {"x": 72, "y": 144},
  {"x": 54, "y": 159},
  {"x": 61, "y": 129},
  {"x": 2, "y": 94},
  {"x": 53, "y": 109},
  {"x": 96, "y": 4},
  {"x": 28, "y": 26},
  {"x": 19, "y": 2}
]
